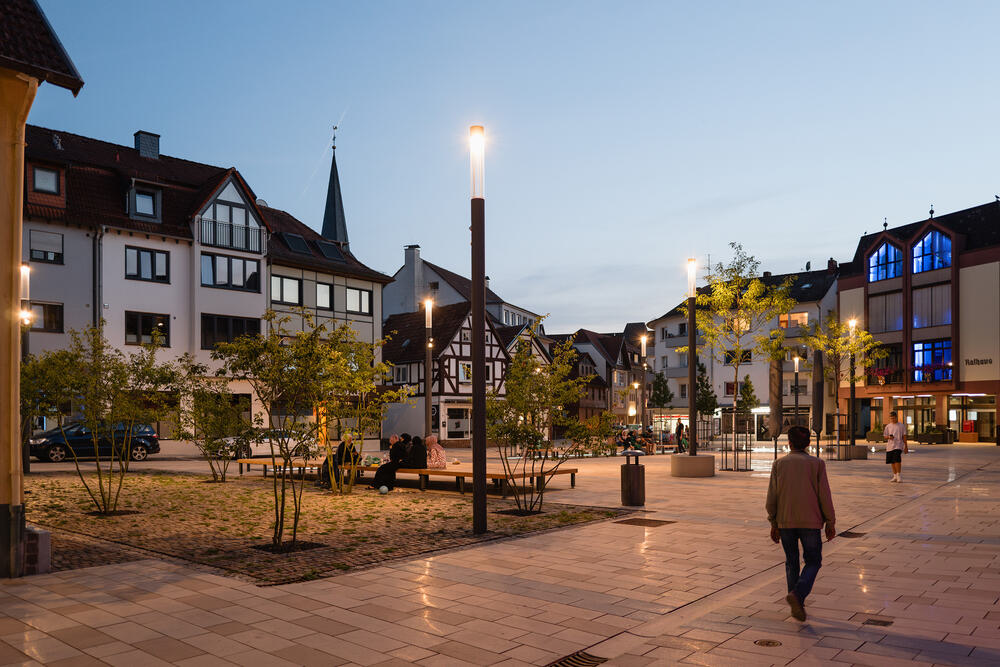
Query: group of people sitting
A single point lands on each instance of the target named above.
(630, 441)
(405, 451)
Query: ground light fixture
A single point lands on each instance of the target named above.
(428, 365)
(477, 150)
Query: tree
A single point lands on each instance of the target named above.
(735, 312)
(837, 342)
(522, 421)
(358, 399)
(211, 417)
(291, 373)
(775, 382)
(113, 392)
(705, 400)
(660, 396)
(747, 399)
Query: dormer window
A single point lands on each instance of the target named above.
(144, 204)
(46, 180)
(932, 252)
(885, 263)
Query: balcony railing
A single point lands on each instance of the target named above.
(227, 235)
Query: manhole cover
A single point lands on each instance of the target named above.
(578, 659)
(649, 523)
(770, 643)
(877, 621)
(848, 533)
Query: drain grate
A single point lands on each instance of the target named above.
(770, 643)
(578, 659)
(878, 621)
(649, 523)
(848, 533)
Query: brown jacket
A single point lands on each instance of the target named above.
(798, 495)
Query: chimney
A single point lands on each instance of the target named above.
(413, 267)
(767, 274)
(487, 282)
(148, 144)
(831, 265)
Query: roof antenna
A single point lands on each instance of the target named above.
(885, 222)
(997, 197)
(932, 211)
(334, 140)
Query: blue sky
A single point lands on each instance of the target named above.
(623, 136)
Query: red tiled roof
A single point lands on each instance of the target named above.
(407, 337)
(29, 45)
(279, 252)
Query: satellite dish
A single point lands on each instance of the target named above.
(261, 202)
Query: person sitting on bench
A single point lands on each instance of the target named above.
(417, 457)
(436, 457)
(399, 449)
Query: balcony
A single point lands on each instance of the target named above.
(227, 235)
(677, 341)
(676, 372)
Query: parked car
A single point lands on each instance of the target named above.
(56, 445)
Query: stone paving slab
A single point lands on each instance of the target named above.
(699, 591)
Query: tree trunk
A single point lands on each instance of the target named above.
(775, 375)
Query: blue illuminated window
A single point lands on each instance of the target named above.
(885, 263)
(932, 252)
(932, 361)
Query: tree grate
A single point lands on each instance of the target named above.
(578, 659)
(649, 523)
(769, 643)
(877, 621)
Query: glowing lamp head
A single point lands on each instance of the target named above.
(796, 360)
(477, 150)
(852, 323)
(428, 310)
(692, 266)
(25, 282)
(26, 317)
(642, 341)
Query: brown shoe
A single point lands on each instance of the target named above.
(798, 611)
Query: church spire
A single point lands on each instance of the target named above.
(334, 221)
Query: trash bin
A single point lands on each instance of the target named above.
(633, 481)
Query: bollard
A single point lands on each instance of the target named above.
(633, 481)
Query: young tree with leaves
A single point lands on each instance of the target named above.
(747, 399)
(837, 342)
(660, 396)
(705, 400)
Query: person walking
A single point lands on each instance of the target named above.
(895, 445)
(799, 504)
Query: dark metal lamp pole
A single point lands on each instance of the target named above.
(428, 366)
(642, 396)
(796, 389)
(851, 426)
(692, 267)
(476, 146)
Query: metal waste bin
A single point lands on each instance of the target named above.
(633, 481)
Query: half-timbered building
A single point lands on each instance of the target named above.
(451, 375)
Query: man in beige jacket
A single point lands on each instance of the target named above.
(799, 503)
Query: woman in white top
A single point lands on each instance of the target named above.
(895, 444)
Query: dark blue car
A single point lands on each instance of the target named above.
(54, 446)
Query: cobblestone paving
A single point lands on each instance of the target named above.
(702, 590)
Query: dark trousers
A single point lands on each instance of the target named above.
(801, 583)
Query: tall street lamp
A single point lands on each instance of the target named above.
(852, 324)
(26, 318)
(428, 365)
(477, 141)
(796, 389)
(692, 268)
(642, 398)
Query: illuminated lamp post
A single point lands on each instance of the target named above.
(796, 389)
(642, 404)
(428, 366)
(851, 426)
(477, 141)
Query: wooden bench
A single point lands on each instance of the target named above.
(498, 477)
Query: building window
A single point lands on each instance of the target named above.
(359, 301)
(139, 328)
(885, 263)
(227, 272)
(465, 336)
(746, 357)
(932, 252)
(664, 362)
(465, 372)
(225, 329)
(732, 388)
(932, 361)
(286, 290)
(45, 246)
(229, 225)
(793, 320)
(143, 264)
(324, 299)
(885, 312)
(401, 374)
(682, 329)
(144, 204)
(889, 369)
(46, 180)
(683, 391)
(932, 306)
(788, 388)
(47, 317)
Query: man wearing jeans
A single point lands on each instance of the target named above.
(799, 503)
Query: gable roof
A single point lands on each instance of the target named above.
(509, 334)
(807, 287)
(979, 226)
(461, 284)
(29, 45)
(585, 358)
(99, 174)
(279, 252)
(407, 339)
